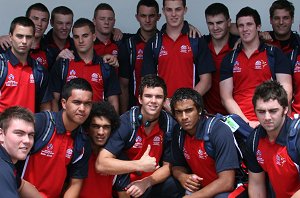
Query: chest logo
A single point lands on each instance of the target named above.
(140, 54)
(31, 78)
(259, 157)
(185, 49)
(115, 53)
(11, 81)
(186, 155)
(202, 154)
(236, 67)
(138, 142)
(280, 161)
(156, 141)
(163, 51)
(297, 67)
(96, 77)
(72, 75)
(48, 152)
(69, 153)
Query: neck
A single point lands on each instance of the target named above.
(283, 37)
(272, 135)
(250, 47)
(59, 42)
(21, 57)
(36, 42)
(86, 57)
(146, 35)
(69, 125)
(174, 32)
(220, 43)
(103, 37)
(95, 148)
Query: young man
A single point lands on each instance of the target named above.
(102, 122)
(24, 80)
(131, 53)
(58, 38)
(16, 140)
(39, 14)
(176, 62)
(61, 146)
(140, 144)
(200, 173)
(88, 65)
(220, 42)
(249, 65)
(268, 151)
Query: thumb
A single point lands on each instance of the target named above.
(147, 150)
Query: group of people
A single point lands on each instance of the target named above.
(61, 97)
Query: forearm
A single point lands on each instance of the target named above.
(55, 101)
(204, 84)
(114, 101)
(124, 99)
(74, 188)
(233, 108)
(160, 175)
(27, 190)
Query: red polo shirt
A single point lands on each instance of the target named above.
(105, 48)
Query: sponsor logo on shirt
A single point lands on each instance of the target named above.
(297, 67)
(280, 161)
(96, 77)
(48, 152)
(163, 52)
(260, 64)
(72, 75)
(202, 154)
(259, 157)
(156, 141)
(186, 155)
(69, 153)
(31, 79)
(236, 67)
(41, 60)
(140, 54)
(11, 81)
(185, 49)
(138, 142)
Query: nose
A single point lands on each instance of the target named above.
(81, 107)
(24, 39)
(153, 99)
(101, 130)
(184, 116)
(267, 116)
(281, 21)
(80, 40)
(215, 26)
(148, 19)
(26, 139)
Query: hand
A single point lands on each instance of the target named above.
(237, 43)
(190, 182)
(117, 34)
(254, 124)
(167, 106)
(265, 36)
(5, 42)
(194, 32)
(66, 54)
(137, 188)
(147, 163)
(111, 60)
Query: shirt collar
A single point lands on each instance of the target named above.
(185, 29)
(60, 127)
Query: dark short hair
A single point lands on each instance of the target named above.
(23, 21)
(217, 8)
(183, 3)
(185, 94)
(270, 90)
(152, 80)
(247, 11)
(15, 112)
(282, 4)
(76, 83)
(61, 10)
(103, 6)
(147, 3)
(37, 6)
(106, 110)
(81, 22)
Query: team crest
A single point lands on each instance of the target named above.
(69, 153)
(114, 52)
(48, 152)
(11, 81)
(31, 79)
(202, 154)
(96, 77)
(185, 49)
(186, 155)
(138, 142)
(259, 157)
(163, 52)
(140, 54)
(280, 161)
(156, 140)
(236, 67)
(72, 75)
(297, 67)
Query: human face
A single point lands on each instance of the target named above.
(282, 24)
(21, 40)
(99, 130)
(40, 20)
(104, 22)
(152, 101)
(218, 26)
(83, 39)
(17, 139)
(62, 25)
(147, 17)
(270, 114)
(247, 29)
(187, 115)
(174, 12)
(77, 107)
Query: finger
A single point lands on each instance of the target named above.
(157, 167)
(148, 150)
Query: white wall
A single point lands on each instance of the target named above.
(126, 9)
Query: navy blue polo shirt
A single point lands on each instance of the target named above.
(9, 183)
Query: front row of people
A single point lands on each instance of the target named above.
(151, 154)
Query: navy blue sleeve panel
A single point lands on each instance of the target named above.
(79, 169)
(45, 95)
(176, 149)
(226, 70)
(250, 155)
(124, 61)
(149, 64)
(118, 141)
(8, 183)
(48, 96)
(204, 61)
(56, 81)
(40, 122)
(112, 84)
(282, 63)
(167, 153)
(226, 154)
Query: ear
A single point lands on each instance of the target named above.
(63, 103)
(185, 10)
(1, 135)
(258, 28)
(94, 37)
(140, 99)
